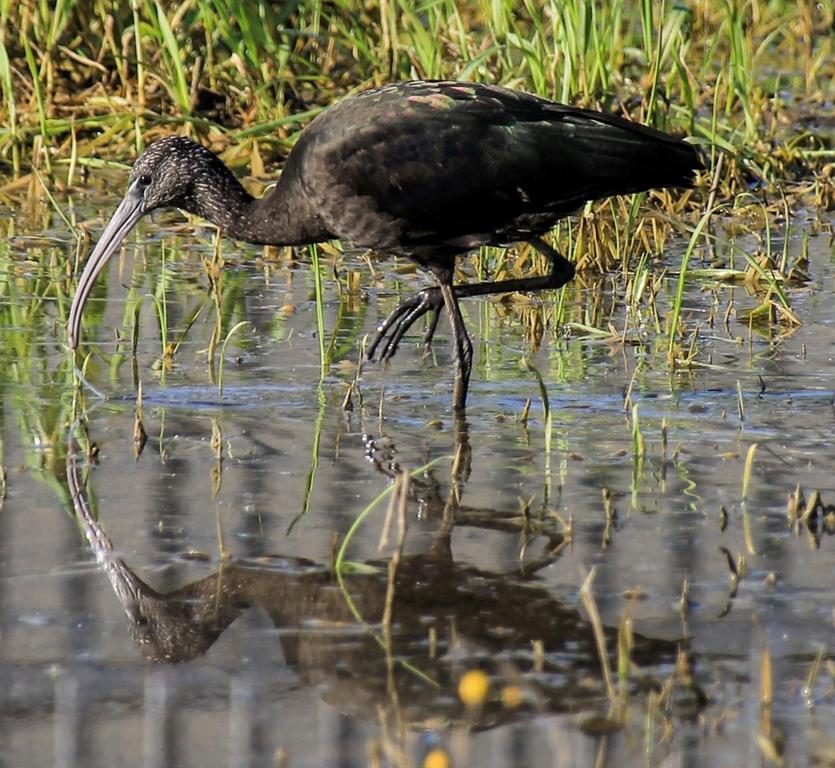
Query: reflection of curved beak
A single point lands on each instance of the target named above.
(124, 218)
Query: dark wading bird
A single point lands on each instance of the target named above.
(428, 170)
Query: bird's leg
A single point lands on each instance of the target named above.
(462, 464)
(463, 345)
(407, 312)
(561, 271)
(430, 331)
(402, 318)
(420, 304)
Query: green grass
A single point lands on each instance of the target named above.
(708, 70)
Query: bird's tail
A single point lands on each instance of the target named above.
(624, 156)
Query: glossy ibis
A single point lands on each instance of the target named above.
(428, 170)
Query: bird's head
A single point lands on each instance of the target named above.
(167, 174)
(170, 171)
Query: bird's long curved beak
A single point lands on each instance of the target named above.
(124, 218)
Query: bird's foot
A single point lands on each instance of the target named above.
(403, 317)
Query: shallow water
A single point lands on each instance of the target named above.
(180, 608)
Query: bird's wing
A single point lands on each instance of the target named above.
(452, 161)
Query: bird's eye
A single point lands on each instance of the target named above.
(144, 180)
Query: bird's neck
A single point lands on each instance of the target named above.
(282, 217)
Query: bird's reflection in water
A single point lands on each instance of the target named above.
(446, 618)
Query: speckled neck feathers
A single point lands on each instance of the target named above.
(186, 175)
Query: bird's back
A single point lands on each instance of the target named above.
(449, 166)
